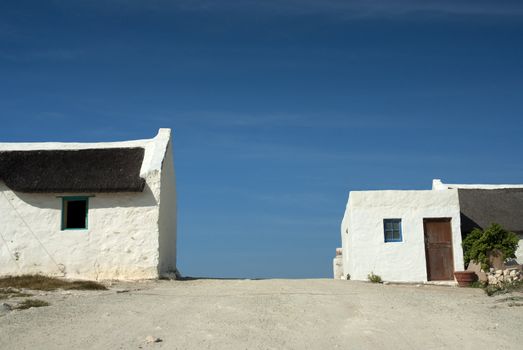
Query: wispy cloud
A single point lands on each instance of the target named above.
(343, 8)
(48, 116)
(59, 54)
(370, 8)
(213, 119)
(6, 30)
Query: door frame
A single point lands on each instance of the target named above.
(438, 219)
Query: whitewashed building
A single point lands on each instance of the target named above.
(415, 236)
(88, 210)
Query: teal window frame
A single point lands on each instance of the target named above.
(75, 198)
(390, 230)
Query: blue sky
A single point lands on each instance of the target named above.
(279, 108)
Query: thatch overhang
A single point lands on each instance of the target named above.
(482, 207)
(78, 171)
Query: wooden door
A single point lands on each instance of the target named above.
(438, 249)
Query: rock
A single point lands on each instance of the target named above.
(482, 276)
(386, 283)
(506, 276)
(492, 279)
(337, 266)
(5, 308)
(151, 339)
(123, 291)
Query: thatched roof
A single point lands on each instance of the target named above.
(480, 208)
(84, 170)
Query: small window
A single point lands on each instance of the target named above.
(392, 228)
(74, 213)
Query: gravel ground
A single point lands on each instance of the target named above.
(267, 314)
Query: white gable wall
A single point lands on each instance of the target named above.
(364, 247)
(167, 219)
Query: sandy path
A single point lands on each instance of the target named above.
(267, 314)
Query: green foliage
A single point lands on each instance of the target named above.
(29, 303)
(494, 289)
(12, 293)
(374, 278)
(39, 282)
(477, 284)
(479, 244)
(467, 244)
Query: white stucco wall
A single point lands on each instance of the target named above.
(364, 247)
(168, 219)
(519, 251)
(122, 240)
(437, 184)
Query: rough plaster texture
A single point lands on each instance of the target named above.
(337, 267)
(519, 252)
(364, 247)
(124, 231)
(167, 220)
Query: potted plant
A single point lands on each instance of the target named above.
(465, 278)
(480, 246)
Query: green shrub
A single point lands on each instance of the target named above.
(478, 284)
(374, 278)
(515, 286)
(29, 303)
(479, 244)
(39, 282)
(12, 293)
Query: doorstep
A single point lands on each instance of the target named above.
(450, 283)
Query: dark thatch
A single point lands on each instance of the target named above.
(480, 208)
(89, 170)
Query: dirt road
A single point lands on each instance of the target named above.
(267, 314)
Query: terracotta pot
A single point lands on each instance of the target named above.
(465, 278)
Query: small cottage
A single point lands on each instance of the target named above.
(88, 210)
(415, 236)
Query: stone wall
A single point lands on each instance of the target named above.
(501, 277)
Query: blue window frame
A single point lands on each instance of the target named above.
(392, 230)
(74, 213)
